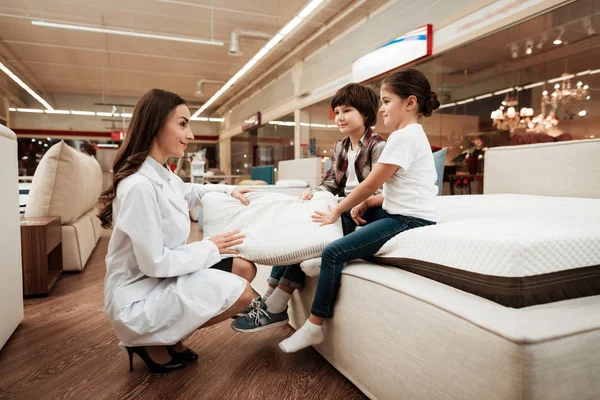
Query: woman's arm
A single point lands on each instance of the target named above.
(194, 192)
(139, 218)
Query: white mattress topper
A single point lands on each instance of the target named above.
(506, 235)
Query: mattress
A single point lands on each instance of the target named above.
(515, 250)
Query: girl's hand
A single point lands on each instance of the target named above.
(357, 212)
(326, 218)
(225, 241)
(238, 193)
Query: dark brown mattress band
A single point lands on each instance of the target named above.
(515, 292)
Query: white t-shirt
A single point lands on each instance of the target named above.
(411, 190)
(352, 179)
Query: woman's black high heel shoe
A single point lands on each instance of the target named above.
(187, 356)
(172, 365)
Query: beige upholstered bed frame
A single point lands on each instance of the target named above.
(566, 169)
(397, 335)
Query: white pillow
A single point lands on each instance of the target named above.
(278, 227)
(311, 267)
(292, 183)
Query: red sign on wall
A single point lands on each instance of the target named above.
(117, 135)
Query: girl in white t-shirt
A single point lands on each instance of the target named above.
(407, 172)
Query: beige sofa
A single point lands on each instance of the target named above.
(67, 184)
(11, 281)
(106, 159)
(397, 335)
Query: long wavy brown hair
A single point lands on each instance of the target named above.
(149, 116)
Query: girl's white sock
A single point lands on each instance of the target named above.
(309, 335)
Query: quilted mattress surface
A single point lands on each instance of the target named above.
(516, 250)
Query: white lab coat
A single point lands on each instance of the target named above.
(158, 289)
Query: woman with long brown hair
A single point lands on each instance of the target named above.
(158, 289)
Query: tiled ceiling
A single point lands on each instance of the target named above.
(55, 60)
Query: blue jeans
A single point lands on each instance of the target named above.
(292, 275)
(287, 275)
(381, 227)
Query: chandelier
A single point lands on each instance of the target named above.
(564, 93)
(542, 123)
(506, 117)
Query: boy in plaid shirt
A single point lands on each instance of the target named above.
(355, 108)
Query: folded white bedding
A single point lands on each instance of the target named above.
(278, 227)
(506, 235)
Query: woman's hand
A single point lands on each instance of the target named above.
(357, 212)
(238, 193)
(326, 218)
(225, 241)
(306, 195)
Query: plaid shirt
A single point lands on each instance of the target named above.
(370, 147)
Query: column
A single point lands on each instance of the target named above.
(225, 156)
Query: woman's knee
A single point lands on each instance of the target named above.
(244, 268)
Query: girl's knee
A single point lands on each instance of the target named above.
(330, 251)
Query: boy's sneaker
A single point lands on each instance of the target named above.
(260, 318)
(249, 307)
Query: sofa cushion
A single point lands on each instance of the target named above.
(66, 184)
(278, 227)
(93, 215)
(78, 242)
(107, 180)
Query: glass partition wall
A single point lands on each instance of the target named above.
(534, 82)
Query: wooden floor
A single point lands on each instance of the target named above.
(66, 348)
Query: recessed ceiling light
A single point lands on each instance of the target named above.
(24, 86)
(127, 33)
